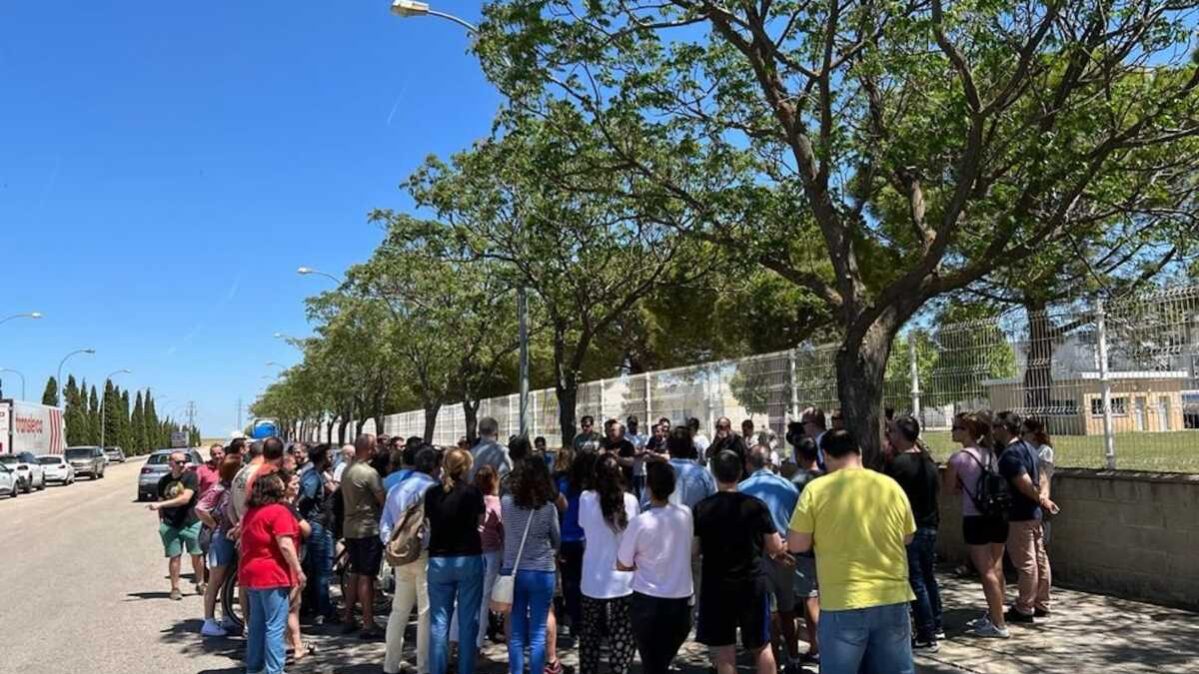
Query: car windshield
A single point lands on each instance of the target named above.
(49, 460)
(79, 453)
(156, 459)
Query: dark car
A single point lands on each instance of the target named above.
(89, 461)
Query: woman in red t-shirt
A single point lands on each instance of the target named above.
(270, 567)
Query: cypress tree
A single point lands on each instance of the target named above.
(74, 415)
(137, 426)
(50, 395)
(126, 436)
(153, 426)
(93, 417)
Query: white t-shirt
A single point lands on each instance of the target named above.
(701, 443)
(658, 544)
(601, 580)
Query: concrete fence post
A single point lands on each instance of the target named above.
(914, 367)
(794, 385)
(1105, 384)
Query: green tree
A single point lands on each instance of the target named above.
(113, 415)
(877, 155)
(138, 441)
(93, 417)
(75, 414)
(153, 424)
(50, 395)
(125, 434)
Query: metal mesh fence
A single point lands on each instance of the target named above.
(1140, 354)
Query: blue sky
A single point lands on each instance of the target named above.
(166, 166)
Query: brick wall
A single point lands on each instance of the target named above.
(1132, 535)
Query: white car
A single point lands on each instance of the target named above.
(57, 469)
(27, 466)
(9, 482)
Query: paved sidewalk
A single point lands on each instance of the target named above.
(1088, 634)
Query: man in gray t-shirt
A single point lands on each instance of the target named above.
(489, 452)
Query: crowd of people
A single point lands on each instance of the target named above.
(619, 544)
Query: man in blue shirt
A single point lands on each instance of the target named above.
(411, 581)
(316, 484)
(407, 458)
(1019, 464)
(780, 497)
(693, 482)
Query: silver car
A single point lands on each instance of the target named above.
(87, 461)
(28, 469)
(57, 469)
(156, 466)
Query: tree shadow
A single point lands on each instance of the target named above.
(136, 596)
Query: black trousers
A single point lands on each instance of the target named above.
(660, 626)
(572, 580)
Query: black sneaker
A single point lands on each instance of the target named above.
(928, 646)
(1015, 616)
(1040, 613)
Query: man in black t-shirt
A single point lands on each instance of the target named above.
(733, 530)
(178, 525)
(624, 450)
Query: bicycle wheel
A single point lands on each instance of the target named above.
(231, 597)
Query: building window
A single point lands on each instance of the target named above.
(1119, 406)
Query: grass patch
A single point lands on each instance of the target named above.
(1171, 452)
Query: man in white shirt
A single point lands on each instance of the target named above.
(347, 457)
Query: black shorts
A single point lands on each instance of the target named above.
(366, 555)
(728, 606)
(979, 530)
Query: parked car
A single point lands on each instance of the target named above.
(57, 469)
(87, 461)
(156, 466)
(114, 454)
(29, 470)
(9, 482)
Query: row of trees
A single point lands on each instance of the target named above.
(110, 420)
(680, 180)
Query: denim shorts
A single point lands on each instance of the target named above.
(221, 551)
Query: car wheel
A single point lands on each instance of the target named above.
(29, 486)
(43, 486)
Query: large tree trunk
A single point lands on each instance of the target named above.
(431, 410)
(329, 430)
(341, 430)
(861, 364)
(470, 414)
(358, 426)
(567, 388)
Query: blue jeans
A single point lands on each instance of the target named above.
(454, 580)
(927, 606)
(532, 593)
(875, 640)
(318, 565)
(265, 651)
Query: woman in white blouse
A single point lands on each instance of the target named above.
(604, 513)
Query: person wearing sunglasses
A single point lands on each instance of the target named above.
(178, 525)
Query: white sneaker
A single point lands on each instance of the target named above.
(979, 621)
(990, 631)
(212, 629)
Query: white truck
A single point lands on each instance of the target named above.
(30, 427)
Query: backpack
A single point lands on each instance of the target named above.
(406, 542)
(992, 494)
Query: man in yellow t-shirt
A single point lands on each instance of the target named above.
(858, 522)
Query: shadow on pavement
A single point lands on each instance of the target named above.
(186, 633)
(134, 596)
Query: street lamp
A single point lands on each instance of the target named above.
(61, 386)
(9, 369)
(29, 314)
(411, 8)
(103, 416)
(306, 271)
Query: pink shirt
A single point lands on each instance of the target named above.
(492, 531)
(966, 462)
(208, 476)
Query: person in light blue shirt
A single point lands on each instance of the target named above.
(411, 579)
(693, 482)
(780, 497)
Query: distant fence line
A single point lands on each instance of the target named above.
(1139, 353)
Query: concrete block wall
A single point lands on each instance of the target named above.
(1132, 535)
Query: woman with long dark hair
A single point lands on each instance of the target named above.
(269, 568)
(531, 536)
(454, 510)
(604, 513)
